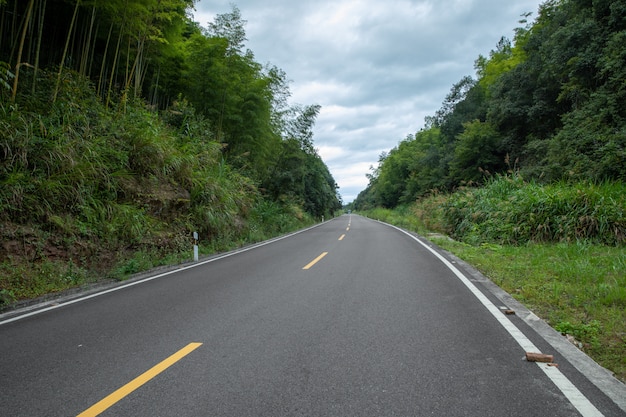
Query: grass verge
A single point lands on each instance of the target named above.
(578, 288)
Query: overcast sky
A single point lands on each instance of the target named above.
(376, 67)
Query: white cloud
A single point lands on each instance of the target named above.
(331, 153)
(353, 177)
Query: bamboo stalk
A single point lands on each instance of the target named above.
(67, 43)
(42, 14)
(21, 48)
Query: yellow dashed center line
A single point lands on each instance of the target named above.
(316, 260)
(122, 392)
(341, 237)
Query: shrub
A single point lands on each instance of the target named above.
(510, 210)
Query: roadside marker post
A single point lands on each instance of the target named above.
(195, 246)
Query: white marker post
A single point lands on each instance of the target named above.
(195, 246)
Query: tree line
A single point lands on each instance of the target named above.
(152, 51)
(550, 105)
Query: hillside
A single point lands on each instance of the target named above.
(548, 105)
(128, 129)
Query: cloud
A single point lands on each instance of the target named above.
(376, 68)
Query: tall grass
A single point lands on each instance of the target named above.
(125, 186)
(272, 218)
(512, 211)
(401, 216)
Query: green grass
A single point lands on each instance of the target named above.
(401, 217)
(147, 259)
(512, 211)
(33, 280)
(579, 289)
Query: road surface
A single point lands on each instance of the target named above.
(349, 318)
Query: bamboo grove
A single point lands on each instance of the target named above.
(125, 126)
(152, 50)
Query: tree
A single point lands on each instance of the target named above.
(300, 124)
(501, 60)
(236, 94)
(557, 108)
(150, 50)
(41, 17)
(320, 193)
(299, 173)
(477, 154)
(19, 54)
(229, 26)
(67, 43)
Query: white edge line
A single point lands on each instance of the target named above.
(573, 394)
(141, 281)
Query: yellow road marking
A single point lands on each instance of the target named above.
(316, 260)
(122, 392)
(348, 228)
(341, 237)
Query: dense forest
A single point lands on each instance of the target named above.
(549, 106)
(125, 126)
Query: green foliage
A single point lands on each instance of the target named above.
(477, 153)
(33, 280)
(273, 218)
(464, 103)
(577, 288)
(231, 27)
(299, 173)
(242, 104)
(510, 210)
(548, 106)
(146, 259)
(236, 98)
(566, 93)
(585, 332)
(122, 189)
(501, 60)
(320, 189)
(401, 216)
(7, 297)
(394, 168)
(122, 184)
(419, 165)
(5, 75)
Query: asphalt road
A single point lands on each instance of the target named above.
(377, 326)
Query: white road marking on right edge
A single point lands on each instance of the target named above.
(577, 398)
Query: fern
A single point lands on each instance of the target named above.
(5, 75)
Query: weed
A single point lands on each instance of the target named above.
(36, 279)
(6, 297)
(585, 332)
(512, 211)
